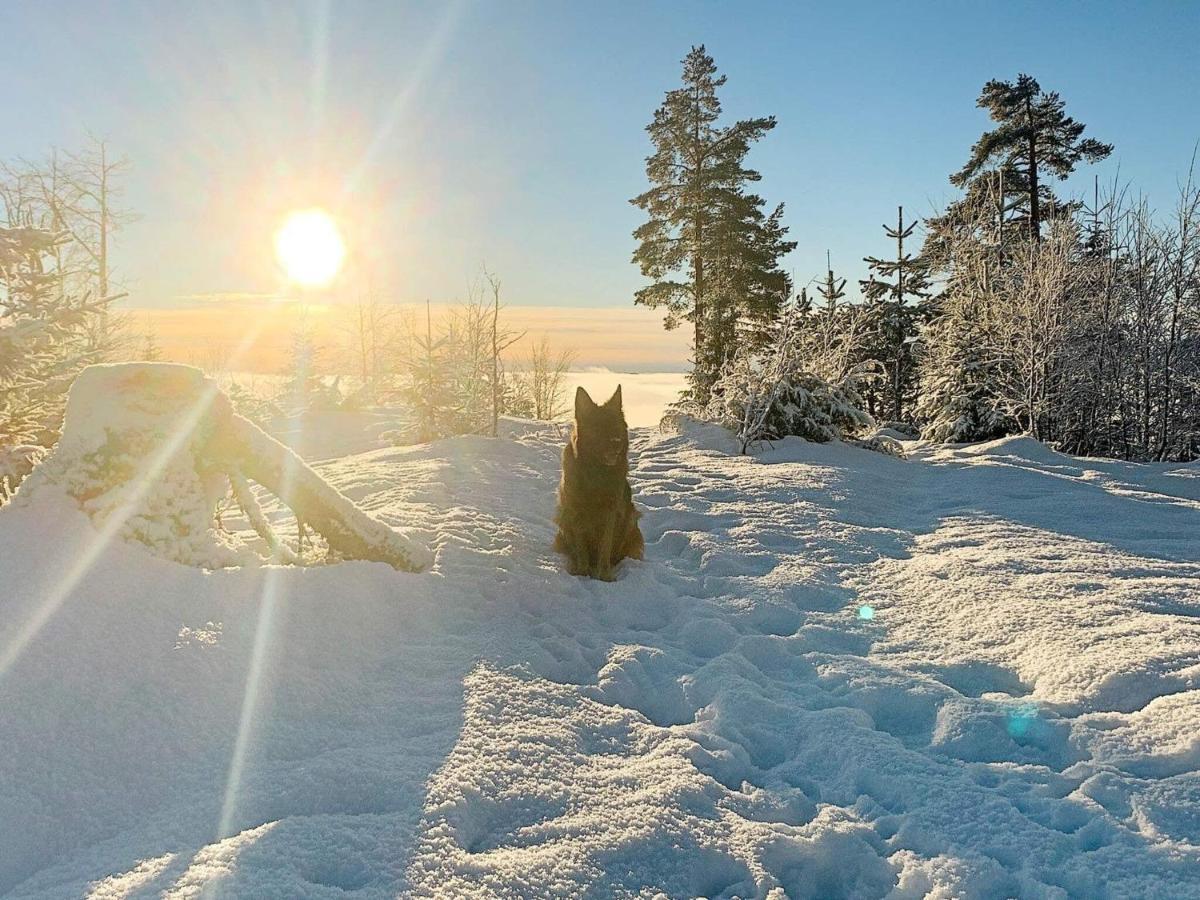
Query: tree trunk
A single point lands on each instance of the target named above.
(177, 435)
(698, 298)
(899, 336)
(240, 445)
(495, 359)
(102, 263)
(1035, 222)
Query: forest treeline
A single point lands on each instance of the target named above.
(1014, 310)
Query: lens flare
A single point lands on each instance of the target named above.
(310, 249)
(1023, 721)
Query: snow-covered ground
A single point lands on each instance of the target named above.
(971, 673)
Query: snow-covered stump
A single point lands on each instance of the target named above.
(149, 449)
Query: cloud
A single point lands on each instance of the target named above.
(234, 298)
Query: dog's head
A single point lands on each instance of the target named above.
(601, 435)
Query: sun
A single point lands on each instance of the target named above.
(310, 248)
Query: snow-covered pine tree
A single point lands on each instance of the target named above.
(766, 393)
(41, 347)
(976, 358)
(708, 247)
(426, 388)
(959, 398)
(148, 350)
(79, 195)
(304, 390)
(896, 318)
(960, 367)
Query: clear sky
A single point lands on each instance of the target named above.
(446, 135)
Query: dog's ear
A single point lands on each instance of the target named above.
(583, 402)
(615, 399)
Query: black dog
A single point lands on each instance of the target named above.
(597, 522)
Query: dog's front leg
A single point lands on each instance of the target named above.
(604, 551)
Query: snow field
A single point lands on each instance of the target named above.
(1019, 718)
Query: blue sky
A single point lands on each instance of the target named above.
(446, 135)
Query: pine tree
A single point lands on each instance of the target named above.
(831, 289)
(426, 388)
(712, 253)
(1034, 138)
(959, 397)
(896, 318)
(149, 350)
(304, 389)
(770, 392)
(42, 337)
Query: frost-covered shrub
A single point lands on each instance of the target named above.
(768, 394)
(757, 406)
(304, 390)
(249, 403)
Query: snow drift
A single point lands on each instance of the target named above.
(971, 673)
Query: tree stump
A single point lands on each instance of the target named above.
(149, 449)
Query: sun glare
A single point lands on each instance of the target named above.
(310, 248)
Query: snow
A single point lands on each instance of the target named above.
(1019, 717)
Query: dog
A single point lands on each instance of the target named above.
(597, 521)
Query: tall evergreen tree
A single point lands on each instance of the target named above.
(709, 248)
(1034, 138)
(887, 291)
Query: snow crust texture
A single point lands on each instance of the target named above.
(973, 672)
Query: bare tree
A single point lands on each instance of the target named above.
(1180, 253)
(78, 196)
(540, 386)
(500, 341)
(1037, 320)
(372, 329)
(83, 192)
(835, 337)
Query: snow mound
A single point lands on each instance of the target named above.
(1021, 447)
(835, 675)
(133, 452)
(149, 449)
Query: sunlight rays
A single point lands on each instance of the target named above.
(135, 493)
(433, 51)
(250, 701)
(252, 694)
